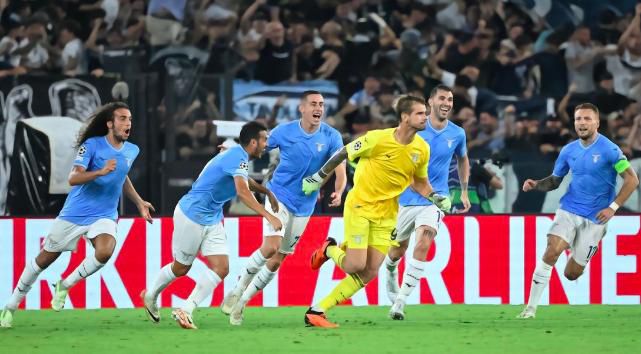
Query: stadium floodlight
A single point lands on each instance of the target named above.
(229, 130)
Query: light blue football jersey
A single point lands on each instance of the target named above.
(593, 176)
(204, 202)
(444, 144)
(301, 155)
(98, 199)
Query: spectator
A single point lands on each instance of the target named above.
(360, 101)
(164, 21)
(633, 143)
(626, 66)
(275, 63)
(581, 56)
(33, 52)
(551, 66)
(73, 53)
(198, 141)
(490, 138)
(9, 43)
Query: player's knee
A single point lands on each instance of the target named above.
(180, 269)
(270, 249)
(353, 267)
(222, 270)
(572, 274)
(103, 256)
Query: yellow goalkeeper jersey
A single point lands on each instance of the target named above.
(385, 169)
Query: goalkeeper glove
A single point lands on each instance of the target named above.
(442, 202)
(312, 183)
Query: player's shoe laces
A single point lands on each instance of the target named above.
(236, 315)
(317, 319)
(6, 318)
(229, 302)
(528, 312)
(151, 308)
(396, 312)
(319, 256)
(392, 285)
(59, 297)
(183, 318)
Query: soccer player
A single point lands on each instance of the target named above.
(416, 213)
(198, 222)
(304, 146)
(589, 203)
(390, 160)
(98, 177)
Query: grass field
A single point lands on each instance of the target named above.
(427, 329)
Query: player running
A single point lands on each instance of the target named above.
(390, 161)
(589, 203)
(98, 177)
(198, 222)
(416, 213)
(304, 145)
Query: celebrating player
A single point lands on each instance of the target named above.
(304, 145)
(418, 213)
(98, 176)
(589, 203)
(390, 160)
(198, 222)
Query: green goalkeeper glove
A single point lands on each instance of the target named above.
(312, 183)
(442, 202)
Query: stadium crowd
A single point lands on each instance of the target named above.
(517, 70)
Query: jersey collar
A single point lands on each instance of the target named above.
(429, 123)
(589, 146)
(112, 147)
(300, 126)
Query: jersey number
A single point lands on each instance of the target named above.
(592, 251)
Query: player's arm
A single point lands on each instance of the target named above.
(630, 183)
(463, 164)
(313, 182)
(339, 185)
(546, 184)
(259, 188)
(246, 196)
(80, 175)
(143, 206)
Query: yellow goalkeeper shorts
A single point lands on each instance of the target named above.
(361, 232)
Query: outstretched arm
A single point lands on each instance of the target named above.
(546, 184)
(313, 182)
(143, 206)
(246, 196)
(630, 183)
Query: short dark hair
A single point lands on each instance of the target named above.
(405, 103)
(250, 131)
(309, 93)
(71, 26)
(440, 87)
(589, 106)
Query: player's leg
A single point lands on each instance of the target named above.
(560, 237)
(585, 246)
(272, 241)
(400, 242)
(29, 275)
(185, 243)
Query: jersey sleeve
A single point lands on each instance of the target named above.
(275, 138)
(421, 170)
(237, 166)
(363, 146)
(617, 159)
(85, 153)
(461, 148)
(561, 166)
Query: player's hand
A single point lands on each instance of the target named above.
(312, 183)
(442, 202)
(336, 200)
(529, 185)
(144, 208)
(109, 167)
(466, 204)
(275, 222)
(605, 215)
(273, 201)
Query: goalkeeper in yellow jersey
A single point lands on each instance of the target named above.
(390, 160)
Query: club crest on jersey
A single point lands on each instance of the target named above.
(449, 142)
(415, 157)
(319, 147)
(358, 238)
(357, 145)
(595, 157)
(244, 165)
(129, 161)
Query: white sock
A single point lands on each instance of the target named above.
(254, 263)
(205, 285)
(413, 273)
(540, 280)
(165, 276)
(390, 264)
(89, 266)
(259, 283)
(28, 277)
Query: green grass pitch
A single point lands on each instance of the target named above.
(427, 329)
